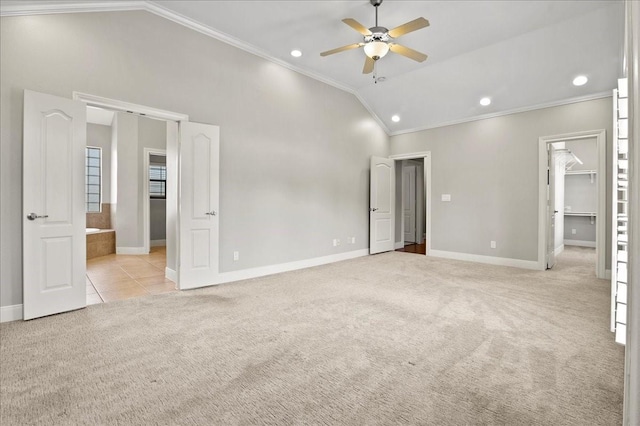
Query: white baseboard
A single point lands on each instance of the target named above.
(399, 245)
(580, 243)
(559, 250)
(10, 313)
(501, 261)
(131, 250)
(245, 274)
(157, 243)
(170, 274)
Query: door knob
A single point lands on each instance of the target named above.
(33, 216)
(212, 213)
(373, 209)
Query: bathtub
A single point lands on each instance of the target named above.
(100, 242)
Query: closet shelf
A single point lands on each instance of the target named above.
(586, 214)
(581, 172)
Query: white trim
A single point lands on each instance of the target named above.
(399, 245)
(580, 243)
(146, 210)
(10, 313)
(543, 142)
(559, 249)
(245, 274)
(47, 9)
(171, 274)
(158, 243)
(490, 260)
(131, 250)
(117, 105)
(569, 101)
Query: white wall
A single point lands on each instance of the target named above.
(490, 168)
(269, 117)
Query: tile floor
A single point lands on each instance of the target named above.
(119, 277)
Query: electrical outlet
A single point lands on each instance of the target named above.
(352, 240)
(338, 242)
(446, 197)
(236, 256)
(335, 242)
(493, 244)
(573, 232)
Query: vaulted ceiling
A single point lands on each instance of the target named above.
(521, 54)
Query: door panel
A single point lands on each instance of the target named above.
(551, 207)
(199, 191)
(54, 243)
(409, 203)
(382, 209)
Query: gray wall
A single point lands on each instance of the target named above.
(490, 168)
(99, 135)
(295, 152)
(128, 210)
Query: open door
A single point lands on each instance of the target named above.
(382, 207)
(199, 192)
(551, 207)
(54, 219)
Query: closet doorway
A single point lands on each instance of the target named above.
(572, 199)
(412, 202)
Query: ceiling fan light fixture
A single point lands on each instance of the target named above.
(376, 49)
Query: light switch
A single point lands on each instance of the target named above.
(446, 197)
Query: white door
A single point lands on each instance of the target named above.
(382, 208)
(409, 203)
(199, 190)
(551, 207)
(53, 205)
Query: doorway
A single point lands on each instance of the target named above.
(126, 206)
(572, 198)
(413, 202)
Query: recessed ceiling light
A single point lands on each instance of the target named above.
(580, 80)
(296, 53)
(485, 101)
(395, 118)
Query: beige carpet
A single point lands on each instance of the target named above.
(394, 338)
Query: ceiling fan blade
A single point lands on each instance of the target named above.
(341, 49)
(403, 29)
(357, 26)
(409, 53)
(368, 65)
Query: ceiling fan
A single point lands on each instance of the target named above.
(378, 41)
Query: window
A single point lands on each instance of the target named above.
(157, 181)
(93, 179)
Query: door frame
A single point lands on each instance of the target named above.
(173, 155)
(601, 210)
(146, 209)
(426, 157)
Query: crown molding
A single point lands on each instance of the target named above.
(569, 101)
(26, 8)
